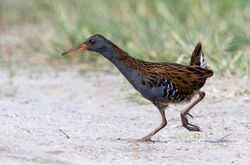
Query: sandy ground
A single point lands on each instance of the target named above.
(62, 117)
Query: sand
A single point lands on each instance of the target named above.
(63, 117)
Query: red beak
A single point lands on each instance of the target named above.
(81, 47)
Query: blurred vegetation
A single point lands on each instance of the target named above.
(162, 30)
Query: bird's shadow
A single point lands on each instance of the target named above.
(141, 141)
(130, 140)
(217, 141)
(220, 141)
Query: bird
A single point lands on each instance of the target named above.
(162, 83)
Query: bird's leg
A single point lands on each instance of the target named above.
(185, 112)
(163, 124)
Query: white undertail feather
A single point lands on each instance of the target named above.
(202, 61)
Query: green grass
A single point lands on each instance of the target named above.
(162, 30)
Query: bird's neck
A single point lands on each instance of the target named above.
(124, 63)
(113, 52)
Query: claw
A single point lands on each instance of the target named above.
(190, 115)
(187, 125)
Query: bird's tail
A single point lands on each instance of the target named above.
(197, 57)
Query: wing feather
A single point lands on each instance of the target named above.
(185, 78)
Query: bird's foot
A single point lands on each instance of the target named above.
(145, 139)
(187, 125)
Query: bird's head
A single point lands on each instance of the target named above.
(94, 43)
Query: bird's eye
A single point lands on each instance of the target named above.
(91, 41)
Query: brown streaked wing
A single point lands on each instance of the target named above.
(189, 79)
(185, 78)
